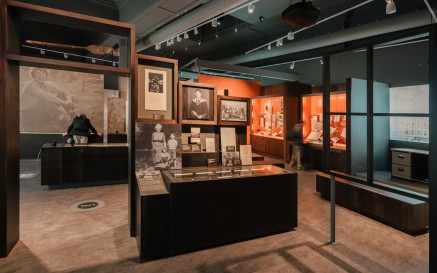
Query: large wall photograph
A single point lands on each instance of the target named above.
(50, 99)
(158, 146)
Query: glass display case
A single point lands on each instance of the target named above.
(312, 115)
(268, 117)
(219, 173)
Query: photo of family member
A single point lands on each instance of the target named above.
(199, 105)
(156, 82)
(158, 146)
(233, 110)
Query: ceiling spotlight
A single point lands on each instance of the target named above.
(269, 47)
(186, 36)
(158, 46)
(168, 43)
(196, 31)
(292, 65)
(199, 42)
(321, 61)
(290, 36)
(250, 8)
(214, 23)
(172, 41)
(262, 19)
(217, 35)
(235, 29)
(278, 43)
(391, 7)
(179, 39)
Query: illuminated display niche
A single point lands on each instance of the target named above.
(312, 116)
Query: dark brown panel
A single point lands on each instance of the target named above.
(403, 213)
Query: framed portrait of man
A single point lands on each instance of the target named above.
(197, 103)
(233, 111)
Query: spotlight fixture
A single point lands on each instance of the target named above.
(281, 42)
(214, 23)
(179, 39)
(250, 8)
(172, 41)
(217, 35)
(321, 61)
(168, 43)
(199, 42)
(292, 65)
(262, 19)
(290, 36)
(278, 43)
(158, 46)
(390, 8)
(269, 47)
(186, 36)
(196, 31)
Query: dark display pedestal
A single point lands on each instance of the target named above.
(404, 213)
(194, 211)
(66, 165)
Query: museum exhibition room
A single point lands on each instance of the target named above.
(192, 136)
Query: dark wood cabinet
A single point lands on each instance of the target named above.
(80, 165)
(199, 210)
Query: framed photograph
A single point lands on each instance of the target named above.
(157, 146)
(197, 103)
(233, 111)
(156, 89)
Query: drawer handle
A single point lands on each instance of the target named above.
(401, 156)
(401, 169)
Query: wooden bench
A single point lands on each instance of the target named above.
(404, 213)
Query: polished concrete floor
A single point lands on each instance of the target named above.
(56, 239)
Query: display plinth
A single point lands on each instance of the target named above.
(204, 207)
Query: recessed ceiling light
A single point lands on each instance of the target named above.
(262, 19)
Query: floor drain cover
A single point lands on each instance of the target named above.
(87, 205)
(28, 175)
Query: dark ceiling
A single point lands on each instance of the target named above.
(223, 42)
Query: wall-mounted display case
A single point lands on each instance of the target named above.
(312, 115)
(268, 117)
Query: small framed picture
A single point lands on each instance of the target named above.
(197, 103)
(156, 90)
(233, 111)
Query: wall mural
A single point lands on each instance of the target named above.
(116, 115)
(50, 99)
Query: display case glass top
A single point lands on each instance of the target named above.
(268, 117)
(312, 115)
(220, 173)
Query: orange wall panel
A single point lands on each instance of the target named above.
(236, 87)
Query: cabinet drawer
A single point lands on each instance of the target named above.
(401, 158)
(401, 171)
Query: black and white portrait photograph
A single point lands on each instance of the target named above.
(233, 110)
(155, 90)
(156, 82)
(197, 102)
(158, 146)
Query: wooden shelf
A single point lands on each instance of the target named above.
(68, 65)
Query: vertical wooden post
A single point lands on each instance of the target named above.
(9, 135)
(370, 114)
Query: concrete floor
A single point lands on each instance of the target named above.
(56, 239)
